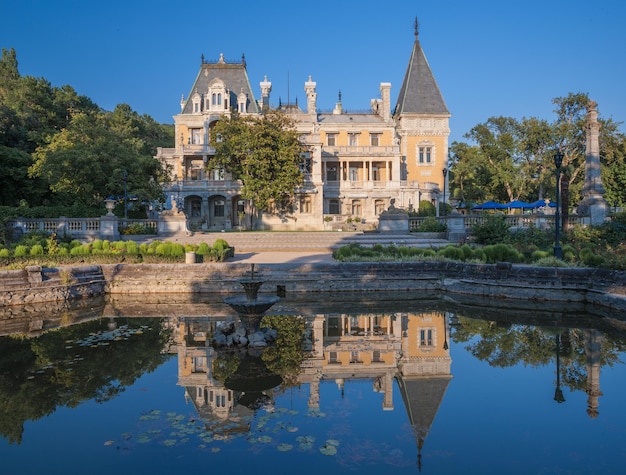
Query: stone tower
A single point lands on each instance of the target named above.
(593, 202)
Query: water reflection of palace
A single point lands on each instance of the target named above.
(409, 348)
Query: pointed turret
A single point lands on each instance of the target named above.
(420, 93)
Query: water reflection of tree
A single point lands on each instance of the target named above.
(501, 344)
(284, 357)
(60, 368)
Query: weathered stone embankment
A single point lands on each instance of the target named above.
(502, 281)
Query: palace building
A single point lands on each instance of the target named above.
(355, 163)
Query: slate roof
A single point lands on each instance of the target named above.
(234, 76)
(420, 93)
(422, 397)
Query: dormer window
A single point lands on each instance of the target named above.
(196, 100)
(218, 95)
(242, 102)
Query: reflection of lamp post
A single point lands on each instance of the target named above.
(558, 393)
(558, 161)
(125, 175)
(445, 174)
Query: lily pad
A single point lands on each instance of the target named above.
(285, 447)
(328, 450)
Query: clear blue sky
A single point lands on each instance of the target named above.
(490, 57)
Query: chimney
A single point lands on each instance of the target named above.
(385, 93)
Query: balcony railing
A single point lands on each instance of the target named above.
(365, 151)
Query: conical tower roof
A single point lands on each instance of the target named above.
(420, 93)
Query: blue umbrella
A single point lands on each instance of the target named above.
(490, 205)
(519, 204)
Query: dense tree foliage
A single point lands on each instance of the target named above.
(264, 153)
(71, 365)
(510, 159)
(59, 148)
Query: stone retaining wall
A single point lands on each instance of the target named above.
(501, 281)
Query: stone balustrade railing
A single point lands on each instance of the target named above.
(108, 227)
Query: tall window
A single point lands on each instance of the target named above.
(379, 206)
(426, 337)
(331, 140)
(375, 173)
(305, 165)
(331, 172)
(217, 174)
(196, 136)
(353, 140)
(354, 174)
(333, 207)
(356, 208)
(425, 155)
(374, 140)
(305, 204)
(218, 208)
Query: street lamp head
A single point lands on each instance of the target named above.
(558, 159)
(445, 172)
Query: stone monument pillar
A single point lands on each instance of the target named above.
(593, 202)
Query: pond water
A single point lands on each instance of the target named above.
(402, 383)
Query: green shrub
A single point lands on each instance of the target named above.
(426, 208)
(5, 252)
(492, 230)
(80, 250)
(203, 249)
(536, 255)
(132, 247)
(550, 261)
(52, 245)
(502, 253)
(431, 225)
(220, 244)
(452, 252)
(589, 258)
(36, 250)
(20, 250)
(530, 237)
(97, 245)
(345, 252)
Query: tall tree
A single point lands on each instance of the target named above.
(264, 153)
(88, 160)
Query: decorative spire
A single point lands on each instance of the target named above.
(243, 60)
(415, 25)
(339, 95)
(202, 59)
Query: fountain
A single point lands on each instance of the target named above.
(251, 307)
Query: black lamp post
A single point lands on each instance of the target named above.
(558, 161)
(125, 175)
(445, 174)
